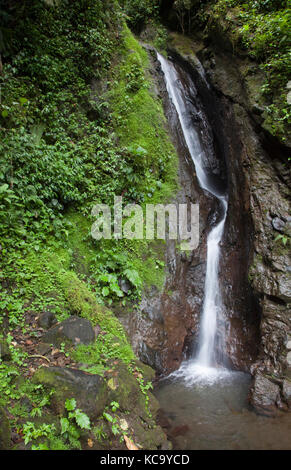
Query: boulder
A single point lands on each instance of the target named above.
(74, 330)
(89, 390)
(47, 320)
(286, 392)
(140, 412)
(147, 371)
(5, 431)
(265, 395)
(278, 224)
(124, 388)
(5, 354)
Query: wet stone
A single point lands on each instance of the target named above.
(278, 224)
(286, 391)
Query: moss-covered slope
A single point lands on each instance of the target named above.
(80, 123)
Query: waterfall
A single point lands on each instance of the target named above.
(206, 358)
(212, 304)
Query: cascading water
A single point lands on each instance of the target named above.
(206, 359)
(212, 298)
(203, 401)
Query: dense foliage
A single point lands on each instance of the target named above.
(262, 28)
(138, 12)
(52, 129)
(78, 125)
(58, 137)
(259, 28)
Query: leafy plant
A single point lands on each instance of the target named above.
(99, 433)
(139, 11)
(75, 421)
(32, 432)
(113, 420)
(283, 238)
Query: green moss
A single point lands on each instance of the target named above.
(183, 43)
(114, 343)
(79, 242)
(261, 29)
(79, 152)
(150, 263)
(139, 120)
(5, 431)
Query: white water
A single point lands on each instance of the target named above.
(204, 365)
(212, 299)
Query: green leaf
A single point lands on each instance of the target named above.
(105, 277)
(3, 187)
(115, 429)
(141, 151)
(105, 291)
(71, 404)
(40, 447)
(114, 406)
(82, 420)
(22, 101)
(133, 276)
(116, 289)
(65, 424)
(108, 417)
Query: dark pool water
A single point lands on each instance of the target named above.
(212, 413)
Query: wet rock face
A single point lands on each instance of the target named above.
(265, 395)
(169, 323)
(166, 330)
(255, 269)
(162, 331)
(241, 305)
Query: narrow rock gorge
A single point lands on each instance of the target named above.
(113, 337)
(255, 271)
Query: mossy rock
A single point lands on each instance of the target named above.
(5, 431)
(150, 438)
(73, 330)
(5, 354)
(47, 320)
(147, 371)
(125, 389)
(89, 390)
